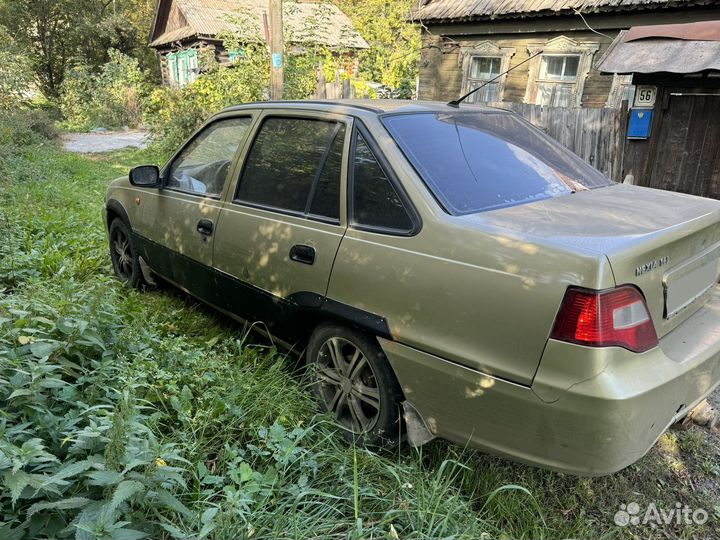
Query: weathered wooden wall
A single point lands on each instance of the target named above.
(440, 64)
(683, 151)
(596, 135)
(441, 67)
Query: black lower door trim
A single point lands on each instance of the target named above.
(283, 317)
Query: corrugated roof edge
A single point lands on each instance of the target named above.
(669, 4)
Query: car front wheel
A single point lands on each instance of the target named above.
(124, 255)
(353, 381)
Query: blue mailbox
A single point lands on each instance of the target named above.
(640, 123)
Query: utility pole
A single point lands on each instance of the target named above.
(277, 49)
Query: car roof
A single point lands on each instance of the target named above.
(363, 106)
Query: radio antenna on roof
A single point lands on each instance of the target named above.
(459, 100)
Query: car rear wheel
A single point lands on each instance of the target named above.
(124, 255)
(353, 381)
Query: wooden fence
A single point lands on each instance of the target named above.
(596, 135)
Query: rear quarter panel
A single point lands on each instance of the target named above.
(483, 299)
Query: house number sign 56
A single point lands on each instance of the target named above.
(645, 96)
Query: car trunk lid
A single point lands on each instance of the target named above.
(667, 244)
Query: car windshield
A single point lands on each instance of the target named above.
(478, 161)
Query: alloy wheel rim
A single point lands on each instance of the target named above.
(123, 254)
(347, 385)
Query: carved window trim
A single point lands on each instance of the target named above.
(617, 91)
(561, 45)
(485, 49)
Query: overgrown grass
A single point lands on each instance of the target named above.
(127, 414)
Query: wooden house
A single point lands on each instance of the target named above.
(185, 32)
(555, 45)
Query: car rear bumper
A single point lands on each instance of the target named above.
(588, 411)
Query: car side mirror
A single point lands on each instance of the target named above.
(146, 176)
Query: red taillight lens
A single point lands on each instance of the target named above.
(613, 318)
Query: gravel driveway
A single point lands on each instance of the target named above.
(106, 141)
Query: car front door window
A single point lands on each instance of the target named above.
(203, 165)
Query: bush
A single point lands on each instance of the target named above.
(112, 98)
(22, 129)
(173, 114)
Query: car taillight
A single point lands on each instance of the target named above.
(613, 318)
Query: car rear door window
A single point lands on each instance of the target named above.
(203, 165)
(376, 204)
(295, 165)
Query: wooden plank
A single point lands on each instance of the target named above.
(708, 172)
(277, 49)
(592, 134)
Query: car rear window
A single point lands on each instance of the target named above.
(478, 161)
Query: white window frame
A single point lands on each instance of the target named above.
(485, 49)
(557, 82)
(559, 46)
(475, 81)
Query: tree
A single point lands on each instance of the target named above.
(49, 32)
(394, 51)
(16, 75)
(121, 25)
(56, 34)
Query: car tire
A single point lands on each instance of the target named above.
(123, 253)
(352, 380)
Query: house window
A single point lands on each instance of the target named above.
(235, 55)
(558, 70)
(482, 70)
(172, 69)
(183, 67)
(557, 80)
(482, 62)
(193, 67)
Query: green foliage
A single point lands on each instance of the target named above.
(394, 52)
(112, 97)
(58, 34)
(172, 114)
(16, 75)
(21, 129)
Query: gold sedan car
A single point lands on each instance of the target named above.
(449, 272)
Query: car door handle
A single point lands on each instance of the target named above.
(302, 254)
(205, 226)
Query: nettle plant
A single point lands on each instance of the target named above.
(77, 455)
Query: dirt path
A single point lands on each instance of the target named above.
(106, 141)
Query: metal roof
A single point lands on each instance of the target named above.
(673, 48)
(305, 22)
(466, 10)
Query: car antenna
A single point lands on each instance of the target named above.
(459, 100)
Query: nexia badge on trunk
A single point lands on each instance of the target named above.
(652, 265)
